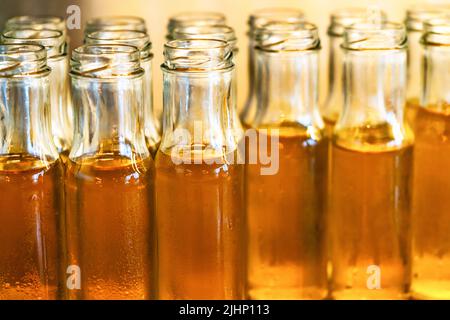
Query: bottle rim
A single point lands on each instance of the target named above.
(370, 37)
(36, 22)
(106, 61)
(436, 32)
(195, 18)
(116, 22)
(20, 60)
(287, 37)
(342, 18)
(197, 55)
(277, 14)
(219, 32)
(52, 40)
(138, 39)
(417, 15)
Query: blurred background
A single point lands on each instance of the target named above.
(157, 12)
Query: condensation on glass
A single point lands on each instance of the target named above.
(285, 208)
(371, 164)
(57, 59)
(141, 40)
(431, 255)
(109, 178)
(31, 180)
(199, 178)
(256, 20)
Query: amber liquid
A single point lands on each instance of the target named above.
(201, 223)
(431, 264)
(412, 106)
(286, 222)
(30, 212)
(370, 222)
(109, 217)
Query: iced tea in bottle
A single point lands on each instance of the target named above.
(31, 182)
(140, 40)
(258, 19)
(371, 169)
(416, 16)
(339, 20)
(109, 178)
(199, 176)
(57, 59)
(285, 195)
(431, 218)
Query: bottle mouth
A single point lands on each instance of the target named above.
(106, 61)
(369, 36)
(18, 60)
(287, 37)
(52, 40)
(436, 32)
(197, 55)
(138, 39)
(342, 18)
(36, 22)
(262, 17)
(199, 18)
(109, 23)
(216, 32)
(416, 16)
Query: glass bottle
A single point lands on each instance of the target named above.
(415, 18)
(431, 264)
(30, 178)
(109, 178)
(371, 166)
(339, 20)
(140, 40)
(36, 22)
(111, 23)
(258, 19)
(199, 176)
(57, 60)
(286, 230)
(194, 18)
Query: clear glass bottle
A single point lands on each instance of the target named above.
(258, 19)
(111, 23)
(339, 20)
(57, 60)
(431, 264)
(140, 40)
(199, 178)
(36, 22)
(286, 226)
(371, 166)
(415, 18)
(109, 177)
(194, 18)
(30, 178)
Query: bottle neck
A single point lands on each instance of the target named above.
(287, 89)
(199, 113)
(374, 89)
(335, 98)
(415, 76)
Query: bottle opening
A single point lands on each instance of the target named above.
(52, 40)
(116, 23)
(23, 60)
(417, 15)
(216, 32)
(340, 19)
(284, 36)
(437, 32)
(138, 39)
(264, 16)
(106, 61)
(195, 19)
(368, 36)
(36, 22)
(197, 55)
